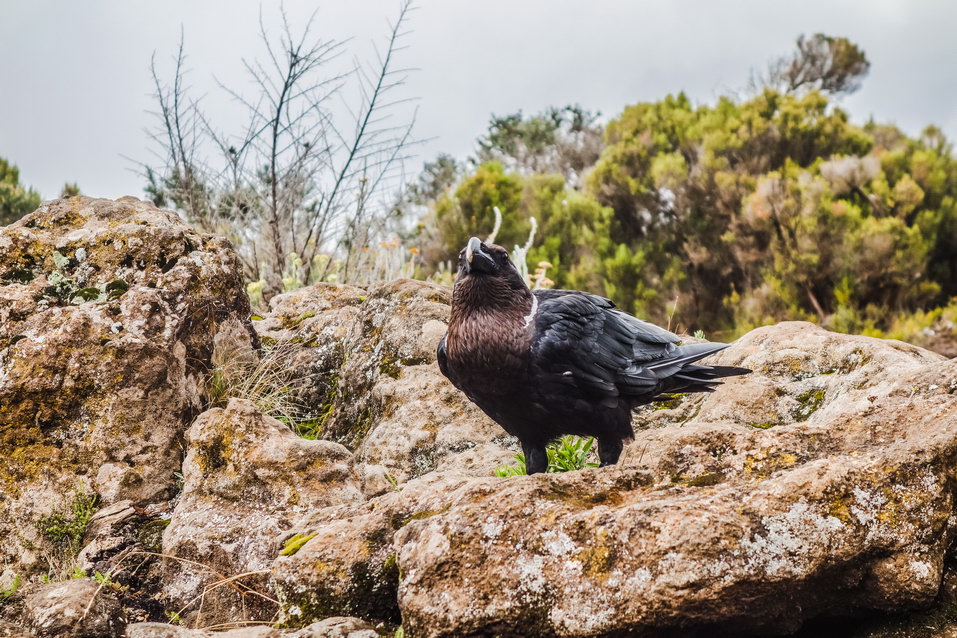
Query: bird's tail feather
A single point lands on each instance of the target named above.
(701, 373)
(679, 374)
(680, 359)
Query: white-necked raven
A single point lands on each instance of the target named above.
(544, 363)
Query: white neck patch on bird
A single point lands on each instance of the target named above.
(531, 313)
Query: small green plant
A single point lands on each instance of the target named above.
(12, 589)
(173, 617)
(516, 469)
(394, 483)
(311, 428)
(293, 545)
(564, 455)
(61, 288)
(66, 290)
(106, 581)
(64, 529)
(699, 334)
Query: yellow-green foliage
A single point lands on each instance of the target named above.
(293, 545)
(748, 211)
(11, 589)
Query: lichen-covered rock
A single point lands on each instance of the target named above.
(372, 355)
(310, 326)
(77, 608)
(347, 563)
(247, 478)
(338, 627)
(116, 530)
(822, 483)
(426, 424)
(109, 312)
(391, 335)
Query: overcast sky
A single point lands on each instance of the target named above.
(76, 84)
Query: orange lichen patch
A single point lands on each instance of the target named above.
(764, 463)
(598, 556)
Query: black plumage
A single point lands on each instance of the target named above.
(545, 363)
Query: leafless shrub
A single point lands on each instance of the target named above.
(294, 182)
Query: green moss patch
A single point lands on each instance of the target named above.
(65, 528)
(669, 401)
(808, 404)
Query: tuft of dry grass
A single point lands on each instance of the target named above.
(123, 568)
(269, 378)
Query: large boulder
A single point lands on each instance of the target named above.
(820, 484)
(369, 361)
(109, 315)
(78, 608)
(347, 563)
(247, 479)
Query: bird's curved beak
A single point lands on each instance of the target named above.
(476, 259)
(474, 246)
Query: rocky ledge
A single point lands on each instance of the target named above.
(819, 488)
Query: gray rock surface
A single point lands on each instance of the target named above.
(247, 478)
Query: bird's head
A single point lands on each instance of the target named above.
(479, 259)
(487, 274)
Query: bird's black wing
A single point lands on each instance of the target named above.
(582, 342)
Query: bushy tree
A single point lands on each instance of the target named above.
(15, 199)
(565, 141)
(821, 63)
(735, 214)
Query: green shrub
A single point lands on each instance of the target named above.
(749, 211)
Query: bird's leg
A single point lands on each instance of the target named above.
(536, 459)
(608, 451)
